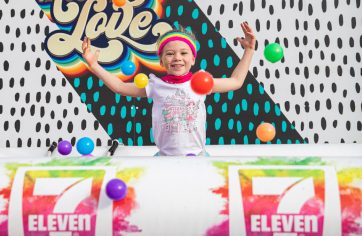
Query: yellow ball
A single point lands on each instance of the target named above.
(141, 80)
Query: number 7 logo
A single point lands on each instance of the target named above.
(57, 199)
(284, 200)
(294, 191)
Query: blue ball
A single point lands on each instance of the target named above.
(128, 68)
(85, 146)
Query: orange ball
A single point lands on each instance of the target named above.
(202, 82)
(265, 132)
(119, 3)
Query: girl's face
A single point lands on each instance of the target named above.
(177, 58)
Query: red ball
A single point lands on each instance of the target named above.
(265, 132)
(202, 82)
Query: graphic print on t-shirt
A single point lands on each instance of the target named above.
(180, 113)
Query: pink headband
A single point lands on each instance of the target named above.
(173, 36)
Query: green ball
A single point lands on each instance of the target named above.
(273, 52)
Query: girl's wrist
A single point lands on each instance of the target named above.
(93, 65)
(249, 50)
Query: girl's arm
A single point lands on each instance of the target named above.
(238, 76)
(111, 81)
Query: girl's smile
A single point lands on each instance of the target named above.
(177, 58)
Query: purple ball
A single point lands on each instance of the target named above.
(190, 155)
(116, 189)
(64, 147)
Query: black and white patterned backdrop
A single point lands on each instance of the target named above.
(37, 105)
(317, 85)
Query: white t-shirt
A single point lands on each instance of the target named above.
(178, 117)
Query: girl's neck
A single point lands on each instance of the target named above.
(177, 79)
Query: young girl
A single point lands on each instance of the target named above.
(178, 113)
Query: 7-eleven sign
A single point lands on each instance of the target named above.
(284, 200)
(60, 201)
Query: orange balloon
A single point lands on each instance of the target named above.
(265, 132)
(119, 3)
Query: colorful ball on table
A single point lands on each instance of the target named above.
(141, 80)
(119, 3)
(202, 82)
(273, 52)
(116, 189)
(128, 68)
(85, 146)
(265, 132)
(64, 147)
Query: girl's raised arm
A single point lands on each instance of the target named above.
(238, 76)
(111, 81)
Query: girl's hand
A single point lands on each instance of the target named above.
(249, 41)
(89, 57)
